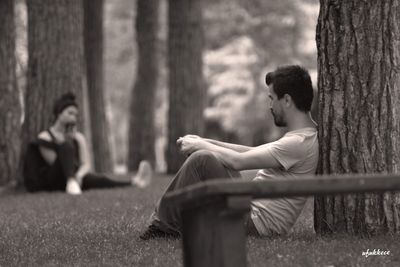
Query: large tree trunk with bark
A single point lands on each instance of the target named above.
(55, 46)
(359, 110)
(186, 82)
(93, 38)
(10, 108)
(141, 123)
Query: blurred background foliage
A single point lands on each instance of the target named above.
(244, 40)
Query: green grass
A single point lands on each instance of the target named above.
(101, 227)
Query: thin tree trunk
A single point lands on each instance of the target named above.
(93, 38)
(186, 81)
(10, 108)
(359, 106)
(141, 124)
(55, 46)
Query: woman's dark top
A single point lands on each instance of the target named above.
(66, 164)
(49, 177)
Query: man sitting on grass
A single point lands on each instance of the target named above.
(293, 156)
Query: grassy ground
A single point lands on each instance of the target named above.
(101, 227)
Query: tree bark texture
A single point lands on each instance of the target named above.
(141, 123)
(93, 38)
(187, 88)
(55, 38)
(55, 66)
(359, 110)
(10, 108)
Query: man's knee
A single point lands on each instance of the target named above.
(202, 155)
(203, 159)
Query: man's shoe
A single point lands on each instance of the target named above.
(153, 232)
(144, 175)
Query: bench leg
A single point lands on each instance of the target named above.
(214, 233)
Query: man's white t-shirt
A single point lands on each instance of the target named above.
(297, 152)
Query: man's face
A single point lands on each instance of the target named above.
(69, 115)
(276, 108)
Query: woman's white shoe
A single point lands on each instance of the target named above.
(144, 175)
(73, 187)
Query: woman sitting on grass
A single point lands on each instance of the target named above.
(66, 153)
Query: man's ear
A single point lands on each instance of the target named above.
(288, 100)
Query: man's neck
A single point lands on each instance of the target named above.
(300, 120)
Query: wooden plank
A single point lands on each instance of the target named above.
(213, 212)
(211, 232)
(307, 186)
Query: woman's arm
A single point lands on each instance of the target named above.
(49, 155)
(84, 157)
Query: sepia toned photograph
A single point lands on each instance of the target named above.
(199, 133)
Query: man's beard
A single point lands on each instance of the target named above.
(278, 120)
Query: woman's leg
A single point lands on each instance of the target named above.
(63, 168)
(95, 180)
(54, 177)
(67, 156)
(200, 166)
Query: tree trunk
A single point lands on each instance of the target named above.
(359, 108)
(186, 83)
(141, 124)
(10, 108)
(93, 38)
(55, 46)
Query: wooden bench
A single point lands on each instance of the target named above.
(213, 212)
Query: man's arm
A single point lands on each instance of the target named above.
(256, 158)
(234, 147)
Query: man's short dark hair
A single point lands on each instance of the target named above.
(294, 81)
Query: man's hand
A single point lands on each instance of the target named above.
(193, 136)
(180, 139)
(190, 143)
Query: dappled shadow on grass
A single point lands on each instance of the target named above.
(101, 227)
